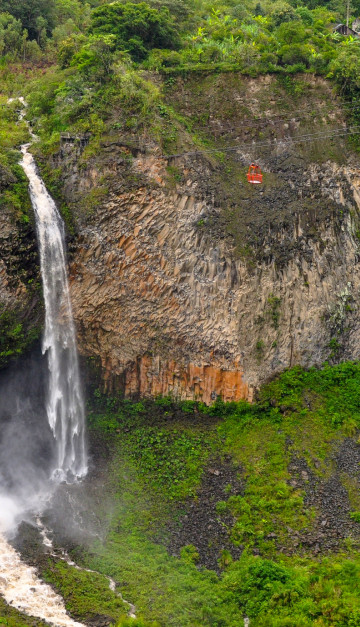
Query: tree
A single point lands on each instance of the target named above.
(138, 28)
(283, 12)
(68, 48)
(11, 34)
(28, 12)
(66, 10)
(346, 71)
(96, 57)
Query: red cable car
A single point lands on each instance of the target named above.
(254, 174)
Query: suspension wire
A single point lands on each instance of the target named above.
(311, 114)
(310, 137)
(354, 105)
(291, 118)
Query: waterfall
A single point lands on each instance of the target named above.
(24, 482)
(65, 406)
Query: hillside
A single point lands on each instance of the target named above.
(249, 281)
(217, 322)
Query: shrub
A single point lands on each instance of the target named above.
(283, 12)
(294, 54)
(189, 553)
(68, 48)
(355, 516)
(137, 28)
(163, 58)
(305, 15)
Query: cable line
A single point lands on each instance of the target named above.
(310, 137)
(279, 118)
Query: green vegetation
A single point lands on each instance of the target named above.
(14, 197)
(88, 594)
(17, 332)
(102, 58)
(15, 336)
(136, 28)
(99, 71)
(10, 617)
(159, 453)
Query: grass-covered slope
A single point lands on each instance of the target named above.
(206, 515)
(10, 617)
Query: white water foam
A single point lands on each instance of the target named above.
(65, 406)
(66, 558)
(22, 589)
(19, 584)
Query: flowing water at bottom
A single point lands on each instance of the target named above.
(22, 589)
(21, 483)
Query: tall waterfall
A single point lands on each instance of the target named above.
(65, 406)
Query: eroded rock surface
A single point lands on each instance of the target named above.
(169, 300)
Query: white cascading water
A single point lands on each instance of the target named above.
(19, 584)
(65, 406)
(22, 589)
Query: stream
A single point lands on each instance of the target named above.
(22, 589)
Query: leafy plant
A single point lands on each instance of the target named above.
(137, 28)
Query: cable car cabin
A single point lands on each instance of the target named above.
(254, 174)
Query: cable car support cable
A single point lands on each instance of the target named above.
(310, 137)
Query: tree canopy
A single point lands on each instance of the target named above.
(137, 27)
(31, 13)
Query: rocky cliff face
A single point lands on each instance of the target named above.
(187, 281)
(20, 293)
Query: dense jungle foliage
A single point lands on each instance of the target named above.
(98, 55)
(272, 461)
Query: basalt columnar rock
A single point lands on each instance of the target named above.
(20, 294)
(184, 279)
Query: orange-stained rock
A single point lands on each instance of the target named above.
(149, 377)
(170, 303)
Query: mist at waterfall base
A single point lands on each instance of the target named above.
(26, 441)
(42, 442)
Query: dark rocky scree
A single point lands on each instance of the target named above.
(201, 526)
(330, 498)
(198, 522)
(348, 458)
